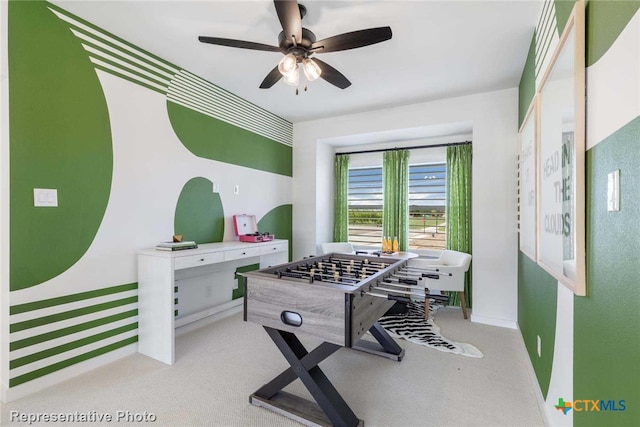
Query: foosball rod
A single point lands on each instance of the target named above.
(307, 277)
(404, 275)
(352, 263)
(333, 276)
(381, 265)
(399, 285)
(439, 297)
(406, 281)
(425, 270)
(328, 265)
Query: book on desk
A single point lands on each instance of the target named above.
(176, 246)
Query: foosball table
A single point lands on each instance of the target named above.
(336, 298)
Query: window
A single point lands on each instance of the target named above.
(365, 206)
(427, 197)
(427, 201)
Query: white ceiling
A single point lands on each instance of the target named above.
(439, 49)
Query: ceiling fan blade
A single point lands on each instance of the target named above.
(332, 75)
(272, 78)
(238, 43)
(289, 15)
(352, 40)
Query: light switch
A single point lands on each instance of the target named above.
(236, 189)
(45, 197)
(613, 191)
(216, 187)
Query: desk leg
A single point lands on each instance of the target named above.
(304, 365)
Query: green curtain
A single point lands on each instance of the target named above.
(395, 172)
(459, 208)
(341, 204)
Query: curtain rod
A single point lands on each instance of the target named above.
(450, 144)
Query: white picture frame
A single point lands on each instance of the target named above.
(528, 182)
(561, 158)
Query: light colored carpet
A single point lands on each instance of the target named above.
(220, 365)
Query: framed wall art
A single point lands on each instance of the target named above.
(561, 157)
(528, 182)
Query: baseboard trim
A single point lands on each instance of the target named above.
(494, 322)
(10, 394)
(534, 379)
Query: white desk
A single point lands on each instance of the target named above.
(211, 267)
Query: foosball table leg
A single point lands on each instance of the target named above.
(387, 347)
(331, 409)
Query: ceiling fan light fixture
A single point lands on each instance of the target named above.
(311, 70)
(292, 78)
(288, 64)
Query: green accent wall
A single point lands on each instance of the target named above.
(199, 212)
(239, 293)
(563, 11)
(69, 362)
(527, 87)
(605, 21)
(214, 139)
(537, 301)
(279, 221)
(60, 138)
(607, 320)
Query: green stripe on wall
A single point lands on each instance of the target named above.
(185, 86)
(125, 77)
(153, 78)
(37, 305)
(563, 11)
(211, 138)
(37, 339)
(605, 22)
(606, 321)
(527, 88)
(27, 324)
(25, 360)
(66, 363)
(537, 310)
(168, 65)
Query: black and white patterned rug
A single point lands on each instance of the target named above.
(413, 327)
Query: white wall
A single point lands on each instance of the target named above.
(494, 119)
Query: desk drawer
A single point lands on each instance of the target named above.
(196, 260)
(275, 248)
(242, 253)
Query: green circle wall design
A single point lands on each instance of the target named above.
(279, 221)
(199, 212)
(60, 139)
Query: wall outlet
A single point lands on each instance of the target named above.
(539, 346)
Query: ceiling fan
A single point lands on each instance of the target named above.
(298, 44)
